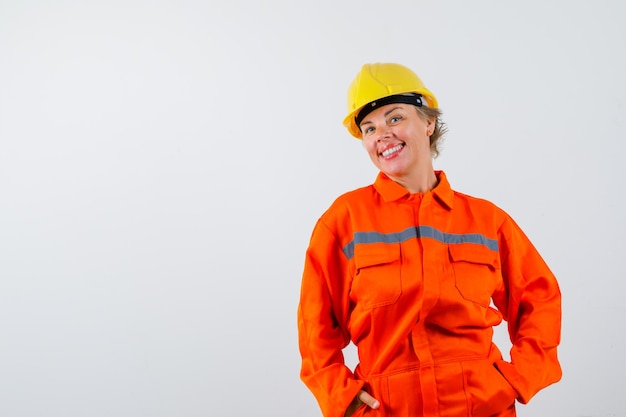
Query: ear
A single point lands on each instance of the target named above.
(430, 126)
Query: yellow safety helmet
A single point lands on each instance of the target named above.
(377, 81)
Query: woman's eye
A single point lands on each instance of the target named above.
(395, 119)
(368, 130)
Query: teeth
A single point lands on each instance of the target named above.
(390, 151)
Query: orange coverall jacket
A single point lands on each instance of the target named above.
(417, 282)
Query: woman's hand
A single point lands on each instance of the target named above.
(362, 398)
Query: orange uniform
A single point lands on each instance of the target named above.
(417, 282)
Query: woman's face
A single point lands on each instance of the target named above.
(397, 140)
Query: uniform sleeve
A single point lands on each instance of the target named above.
(322, 317)
(531, 305)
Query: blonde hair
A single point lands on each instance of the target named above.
(436, 138)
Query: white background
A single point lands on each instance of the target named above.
(162, 164)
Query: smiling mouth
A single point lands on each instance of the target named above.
(390, 151)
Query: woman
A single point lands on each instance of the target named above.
(416, 275)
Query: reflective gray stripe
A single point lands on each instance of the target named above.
(418, 232)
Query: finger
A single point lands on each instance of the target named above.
(369, 400)
(356, 403)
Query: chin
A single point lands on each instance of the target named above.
(392, 172)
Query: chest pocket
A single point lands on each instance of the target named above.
(477, 272)
(377, 281)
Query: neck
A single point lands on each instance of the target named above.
(420, 181)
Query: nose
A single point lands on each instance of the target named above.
(384, 132)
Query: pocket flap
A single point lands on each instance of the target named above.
(474, 253)
(371, 254)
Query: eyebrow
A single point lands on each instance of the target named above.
(392, 110)
(386, 114)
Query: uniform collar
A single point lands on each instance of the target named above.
(392, 191)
